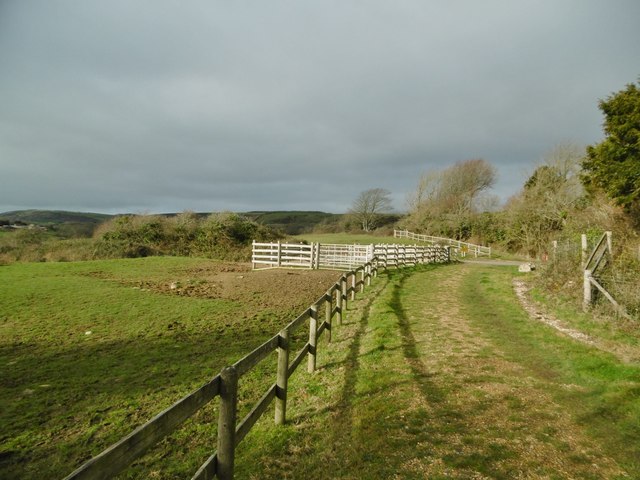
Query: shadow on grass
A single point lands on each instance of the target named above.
(60, 406)
(344, 406)
(421, 374)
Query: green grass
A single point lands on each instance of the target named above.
(606, 396)
(436, 373)
(405, 393)
(86, 355)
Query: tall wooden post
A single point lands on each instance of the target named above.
(313, 339)
(583, 256)
(227, 423)
(282, 379)
(609, 245)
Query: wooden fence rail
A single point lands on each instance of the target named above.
(341, 256)
(225, 385)
(462, 248)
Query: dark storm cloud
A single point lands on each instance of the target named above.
(165, 106)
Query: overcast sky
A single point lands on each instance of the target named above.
(163, 106)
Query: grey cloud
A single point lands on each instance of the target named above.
(123, 106)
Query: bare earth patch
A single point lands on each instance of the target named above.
(536, 312)
(262, 289)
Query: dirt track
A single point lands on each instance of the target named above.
(429, 392)
(503, 411)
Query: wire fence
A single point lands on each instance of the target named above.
(618, 272)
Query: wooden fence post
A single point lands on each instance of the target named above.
(279, 254)
(312, 255)
(227, 423)
(328, 307)
(583, 240)
(586, 303)
(253, 249)
(362, 276)
(282, 378)
(354, 279)
(317, 258)
(313, 339)
(344, 282)
(609, 245)
(339, 300)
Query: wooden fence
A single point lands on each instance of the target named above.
(342, 257)
(318, 318)
(462, 248)
(275, 255)
(599, 258)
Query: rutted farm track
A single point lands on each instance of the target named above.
(425, 390)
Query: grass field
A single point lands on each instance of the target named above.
(89, 350)
(436, 373)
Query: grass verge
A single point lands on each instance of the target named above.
(601, 392)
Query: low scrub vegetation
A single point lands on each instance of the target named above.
(219, 235)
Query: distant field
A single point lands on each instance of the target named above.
(350, 238)
(89, 350)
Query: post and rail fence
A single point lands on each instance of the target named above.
(220, 464)
(462, 248)
(340, 256)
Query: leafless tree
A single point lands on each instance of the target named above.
(444, 200)
(369, 206)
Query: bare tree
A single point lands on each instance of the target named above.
(444, 200)
(369, 206)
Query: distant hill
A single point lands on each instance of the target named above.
(53, 217)
(83, 223)
(59, 223)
